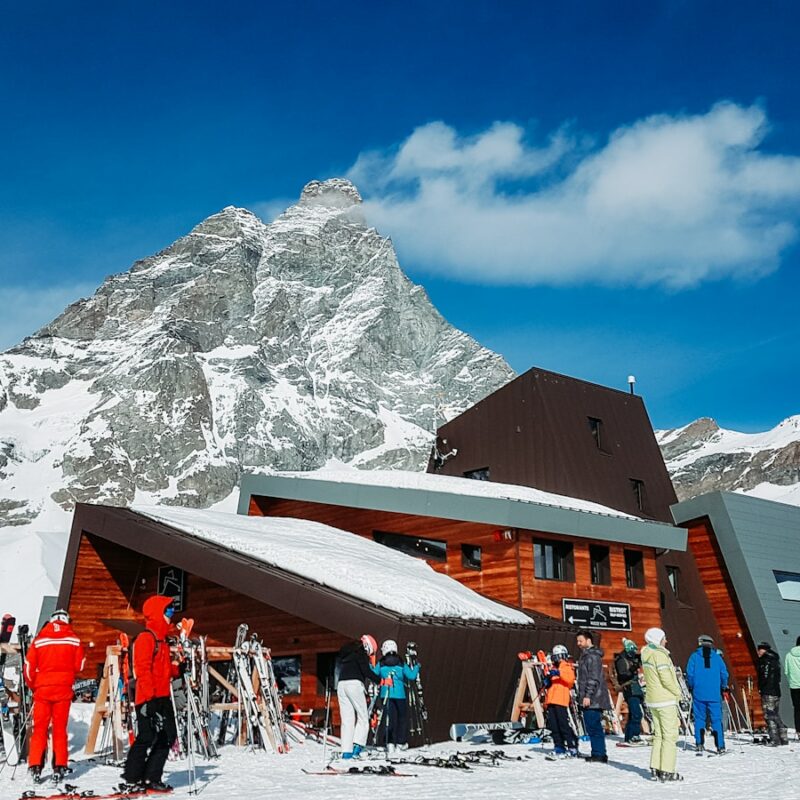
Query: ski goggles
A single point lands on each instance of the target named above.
(169, 612)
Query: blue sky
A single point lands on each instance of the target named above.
(596, 188)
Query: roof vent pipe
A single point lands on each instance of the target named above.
(631, 382)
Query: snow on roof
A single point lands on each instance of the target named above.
(448, 484)
(340, 560)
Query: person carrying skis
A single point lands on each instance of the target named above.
(593, 695)
(627, 664)
(663, 696)
(54, 659)
(393, 673)
(791, 668)
(559, 681)
(154, 670)
(769, 687)
(355, 671)
(707, 679)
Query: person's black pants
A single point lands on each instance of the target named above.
(561, 730)
(395, 722)
(796, 704)
(157, 732)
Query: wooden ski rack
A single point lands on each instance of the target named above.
(527, 686)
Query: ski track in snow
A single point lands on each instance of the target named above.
(751, 771)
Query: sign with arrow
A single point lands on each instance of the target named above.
(596, 614)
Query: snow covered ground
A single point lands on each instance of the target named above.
(750, 771)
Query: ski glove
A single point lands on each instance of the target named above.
(554, 673)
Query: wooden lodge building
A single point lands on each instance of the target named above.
(549, 555)
(306, 589)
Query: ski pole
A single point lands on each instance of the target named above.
(327, 717)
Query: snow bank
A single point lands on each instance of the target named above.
(342, 561)
(448, 484)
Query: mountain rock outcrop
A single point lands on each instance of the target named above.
(243, 345)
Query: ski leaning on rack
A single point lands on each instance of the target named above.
(241, 635)
(418, 712)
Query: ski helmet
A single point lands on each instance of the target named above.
(60, 616)
(369, 644)
(561, 651)
(705, 639)
(389, 646)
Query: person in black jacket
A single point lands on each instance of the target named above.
(593, 697)
(627, 664)
(354, 672)
(769, 687)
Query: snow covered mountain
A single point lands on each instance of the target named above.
(702, 457)
(242, 345)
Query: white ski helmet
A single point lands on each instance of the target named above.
(561, 651)
(389, 646)
(60, 616)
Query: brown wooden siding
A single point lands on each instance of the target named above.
(507, 572)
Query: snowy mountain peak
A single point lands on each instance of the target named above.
(333, 193)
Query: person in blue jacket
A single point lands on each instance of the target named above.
(394, 673)
(707, 678)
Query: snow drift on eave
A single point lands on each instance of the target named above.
(341, 561)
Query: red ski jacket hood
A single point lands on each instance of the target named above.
(54, 659)
(152, 662)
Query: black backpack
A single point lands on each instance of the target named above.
(626, 667)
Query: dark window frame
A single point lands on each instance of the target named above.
(600, 564)
(468, 560)
(634, 569)
(639, 493)
(480, 474)
(674, 580)
(416, 546)
(556, 557)
(784, 576)
(596, 429)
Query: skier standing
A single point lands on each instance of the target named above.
(663, 696)
(791, 665)
(354, 673)
(769, 687)
(393, 673)
(559, 681)
(627, 664)
(154, 671)
(592, 694)
(707, 678)
(54, 658)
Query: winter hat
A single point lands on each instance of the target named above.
(655, 636)
(61, 615)
(763, 646)
(369, 644)
(705, 639)
(629, 645)
(389, 646)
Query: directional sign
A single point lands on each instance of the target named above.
(172, 583)
(596, 614)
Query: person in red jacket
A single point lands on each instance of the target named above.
(54, 659)
(154, 671)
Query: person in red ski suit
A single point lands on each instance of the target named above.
(154, 670)
(54, 659)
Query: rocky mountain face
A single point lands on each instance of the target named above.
(702, 457)
(243, 345)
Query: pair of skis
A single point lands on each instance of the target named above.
(70, 792)
(384, 770)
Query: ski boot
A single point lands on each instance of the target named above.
(655, 774)
(668, 777)
(157, 787)
(35, 772)
(129, 789)
(59, 773)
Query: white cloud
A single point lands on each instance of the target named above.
(671, 200)
(28, 308)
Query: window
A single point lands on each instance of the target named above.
(471, 556)
(430, 549)
(634, 569)
(287, 673)
(674, 578)
(788, 584)
(481, 474)
(639, 493)
(326, 671)
(552, 561)
(600, 560)
(596, 427)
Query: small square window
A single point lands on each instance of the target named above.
(429, 549)
(788, 585)
(471, 556)
(600, 561)
(634, 569)
(553, 561)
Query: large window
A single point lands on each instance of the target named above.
(600, 561)
(429, 549)
(471, 556)
(788, 584)
(481, 474)
(287, 673)
(634, 569)
(326, 672)
(552, 561)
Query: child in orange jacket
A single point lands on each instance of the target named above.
(559, 682)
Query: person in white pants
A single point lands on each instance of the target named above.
(354, 672)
